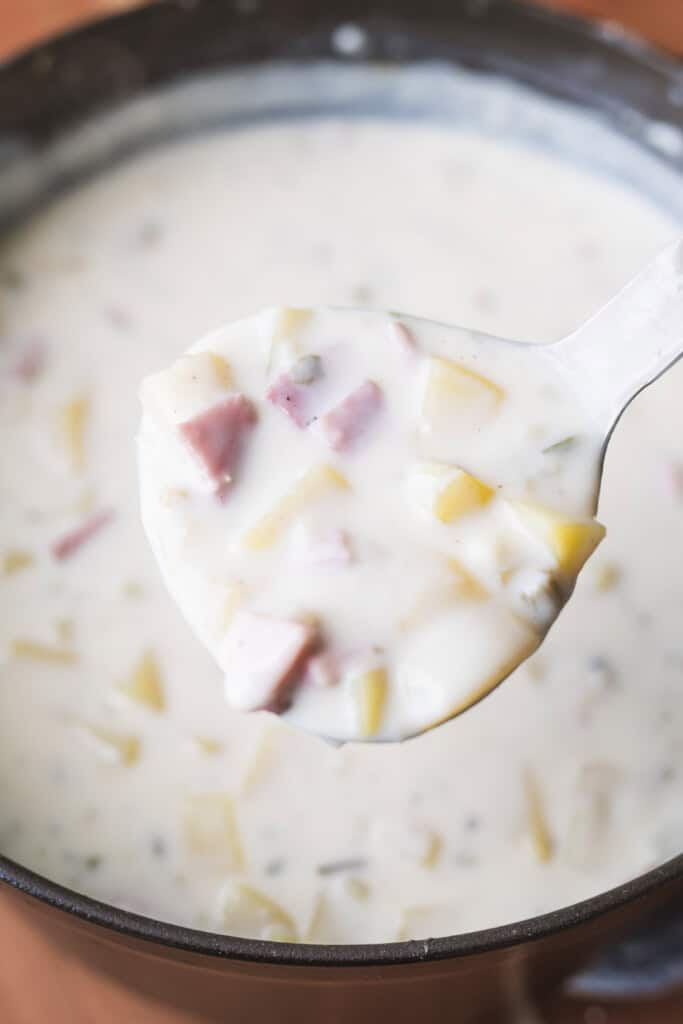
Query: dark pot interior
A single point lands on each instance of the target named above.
(53, 93)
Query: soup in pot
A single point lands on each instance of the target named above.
(124, 773)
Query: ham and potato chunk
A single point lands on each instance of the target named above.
(365, 518)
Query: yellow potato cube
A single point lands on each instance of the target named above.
(539, 829)
(16, 560)
(283, 344)
(188, 387)
(466, 585)
(32, 650)
(447, 492)
(221, 370)
(607, 576)
(461, 495)
(114, 746)
(65, 631)
(144, 684)
(452, 389)
(74, 418)
(371, 693)
(289, 322)
(248, 911)
(572, 541)
(314, 484)
(210, 829)
(208, 745)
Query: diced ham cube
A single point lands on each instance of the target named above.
(294, 391)
(344, 424)
(30, 363)
(264, 659)
(291, 397)
(69, 544)
(215, 436)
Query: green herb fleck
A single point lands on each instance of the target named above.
(561, 446)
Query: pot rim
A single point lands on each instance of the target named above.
(212, 944)
(384, 954)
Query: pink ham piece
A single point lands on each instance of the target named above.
(344, 424)
(291, 397)
(69, 544)
(30, 363)
(215, 436)
(264, 659)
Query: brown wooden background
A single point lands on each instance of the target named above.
(37, 984)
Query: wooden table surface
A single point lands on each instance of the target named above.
(37, 984)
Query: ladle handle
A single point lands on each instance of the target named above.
(633, 339)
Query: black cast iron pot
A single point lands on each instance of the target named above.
(78, 80)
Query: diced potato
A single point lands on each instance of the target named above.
(466, 585)
(586, 844)
(607, 576)
(133, 590)
(288, 322)
(245, 910)
(461, 495)
(259, 762)
(188, 386)
(208, 745)
(371, 689)
(539, 829)
(572, 541)
(173, 496)
(74, 420)
(210, 829)
(86, 502)
(314, 484)
(452, 390)
(144, 684)
(357, 888)
(115, 746)
(221, 369)
(433, 851)
(318, 928)
(448, 492)
(14, 561)
(31, 650)
(65, 630)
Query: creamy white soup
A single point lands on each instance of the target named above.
(369, 520)
(124, 772)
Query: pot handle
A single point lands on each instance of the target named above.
(647, 962)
